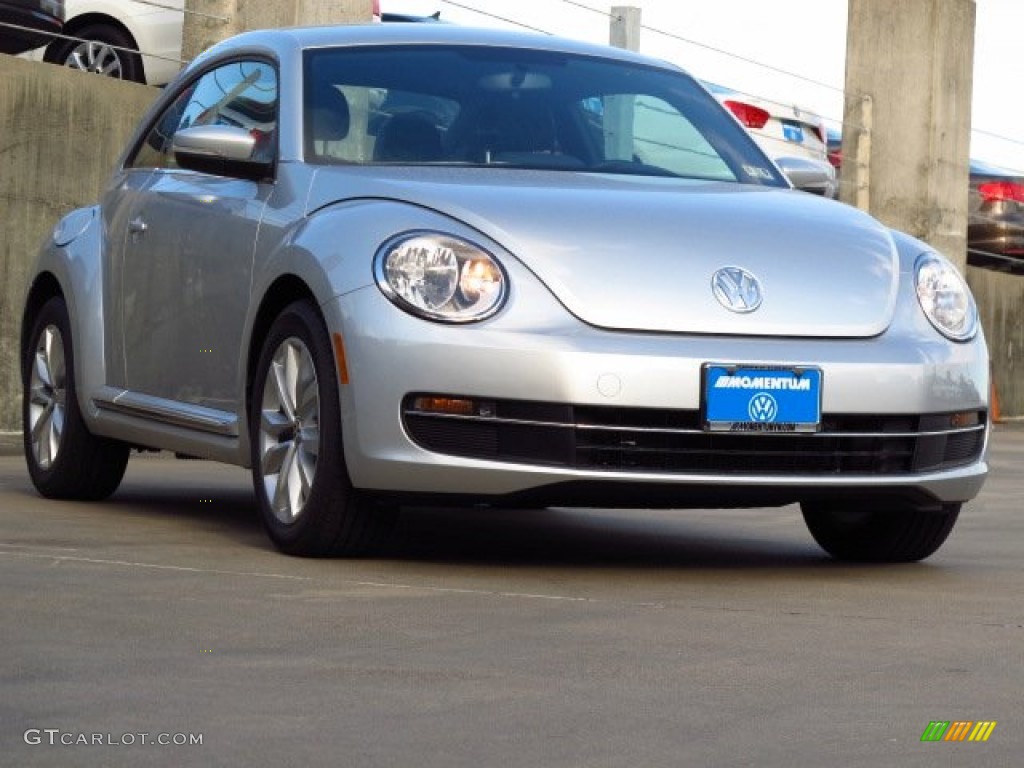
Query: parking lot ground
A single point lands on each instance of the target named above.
(497, 638)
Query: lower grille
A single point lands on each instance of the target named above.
(671, 441)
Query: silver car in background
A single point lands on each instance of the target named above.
(386, 265)
(794, 137)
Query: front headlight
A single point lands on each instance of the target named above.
(440, 277)
(945, 297)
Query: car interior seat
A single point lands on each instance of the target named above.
(515, 131)
(329, 121)
(408, 137)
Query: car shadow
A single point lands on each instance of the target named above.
(590, 538)
(502, 537)
(229, 514)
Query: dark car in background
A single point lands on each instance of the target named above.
(995, 212)
(27, 24)
(995, 224)
(410, 18)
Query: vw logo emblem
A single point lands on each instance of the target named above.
(736, 289)
(763, 408)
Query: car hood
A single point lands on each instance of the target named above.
(641, 253)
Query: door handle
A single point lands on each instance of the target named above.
(137, 226)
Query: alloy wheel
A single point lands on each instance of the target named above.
(289, 431)
(97, 57)
(48, 397)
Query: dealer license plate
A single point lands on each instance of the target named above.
(756, 399)
(793, 132)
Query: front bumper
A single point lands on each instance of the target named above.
(890, 407)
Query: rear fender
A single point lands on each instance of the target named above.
(72, 256)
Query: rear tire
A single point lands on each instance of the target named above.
(65, 460)
(307, 502)
(889, 533)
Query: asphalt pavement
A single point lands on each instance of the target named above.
(160, 628)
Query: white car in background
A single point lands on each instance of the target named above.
(795, 138)
(108, 34)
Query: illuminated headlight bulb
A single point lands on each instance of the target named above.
(480, 280)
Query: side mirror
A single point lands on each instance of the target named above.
(223, 150)
(808, 175)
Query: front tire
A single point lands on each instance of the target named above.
(65, 460)
(891, 532)
(306, 499)
(106, 50)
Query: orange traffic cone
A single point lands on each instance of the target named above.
(997, 417)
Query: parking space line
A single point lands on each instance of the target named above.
(154, 566)
(4, 551)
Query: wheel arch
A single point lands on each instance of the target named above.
(285, 290)
(73, 26)
(77, 463)
(44, 287)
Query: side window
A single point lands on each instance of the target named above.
(243, 94)
(664, 137)
(366, 124)
(631, 128)
(154, 152)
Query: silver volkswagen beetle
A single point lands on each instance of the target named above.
(406, 264)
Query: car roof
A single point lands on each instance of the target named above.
(982, 168)
(293, 40)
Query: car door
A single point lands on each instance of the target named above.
(188, 250)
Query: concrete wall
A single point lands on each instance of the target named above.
(61, 132)
(1000, 299)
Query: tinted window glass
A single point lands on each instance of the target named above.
(242, 94)
(154, 150)
(520, 109)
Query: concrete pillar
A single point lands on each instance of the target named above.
(1000, 299)
(624, 31)
(206, 22)
(913, 59)
(210, 21)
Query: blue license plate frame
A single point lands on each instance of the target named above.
(761, 399)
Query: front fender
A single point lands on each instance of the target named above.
(332, 250)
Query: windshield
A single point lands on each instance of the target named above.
(519, 108)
